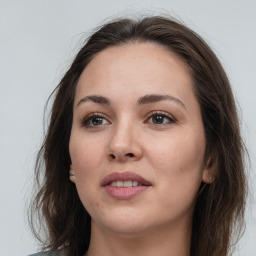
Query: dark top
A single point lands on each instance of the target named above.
(43, 254)
(49, 253)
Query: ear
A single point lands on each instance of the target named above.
(208, 173)
(207, 177)
(72, 176)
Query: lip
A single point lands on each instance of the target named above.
(122, 176)
(125, 193)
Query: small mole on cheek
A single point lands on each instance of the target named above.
(97, 204)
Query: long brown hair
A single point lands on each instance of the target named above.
(219, 210)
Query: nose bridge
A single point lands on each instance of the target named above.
(122, 133)
(123, 142)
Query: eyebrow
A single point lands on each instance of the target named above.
(96, 99)
(147, 99)
(152, 98)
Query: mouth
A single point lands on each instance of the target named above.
(125, 185)
(124, 179)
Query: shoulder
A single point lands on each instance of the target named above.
(60, 252)
(43, 254)
(49, 253)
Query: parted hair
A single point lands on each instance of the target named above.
(219, 211)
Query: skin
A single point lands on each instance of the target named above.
(170, 154)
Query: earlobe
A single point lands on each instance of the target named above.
(72, 176)
(208, 175)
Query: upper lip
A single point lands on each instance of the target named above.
(123, 176)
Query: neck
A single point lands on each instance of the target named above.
(165, 241)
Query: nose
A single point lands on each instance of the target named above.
(124, 144)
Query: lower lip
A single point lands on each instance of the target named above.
(125, 193)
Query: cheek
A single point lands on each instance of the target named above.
(86, 154)
(179, 168)
(179, 158)
(86, 157)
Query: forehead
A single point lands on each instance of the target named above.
(135, 68)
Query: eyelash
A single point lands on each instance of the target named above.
(86, 121)
(170, 118)
(89, 118)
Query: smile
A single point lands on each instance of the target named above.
(125, 185)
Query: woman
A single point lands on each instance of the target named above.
(143, 154)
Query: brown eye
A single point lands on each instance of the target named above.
(158, 119)
(97, 121)
(94, 120)
(161, 119)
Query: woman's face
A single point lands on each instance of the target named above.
(137, 142)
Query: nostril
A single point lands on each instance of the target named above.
(112, 156)
(130, 154)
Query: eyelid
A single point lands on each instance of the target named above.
(155, 112)
(150, 115)
(91, 115)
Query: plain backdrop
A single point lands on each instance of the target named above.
(38, 40)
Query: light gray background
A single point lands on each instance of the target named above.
(38, 39)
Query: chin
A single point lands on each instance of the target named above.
(129, 230)
(124, 224)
